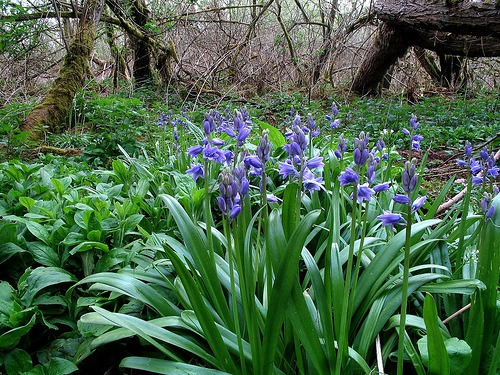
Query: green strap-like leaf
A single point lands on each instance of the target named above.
(439, 363)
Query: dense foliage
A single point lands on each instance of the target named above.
(234, 242)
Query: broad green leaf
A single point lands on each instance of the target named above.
(289, 209)
(39, 231)
(17, 361)
(9, 249)
(275, 136)
(438, 357)
(286, 274)
(454, 286)
(43, 277)
(152, 332)
(44, 254)
(161, 366)
(459, 353)
(27, 202)
(89, 245)
(59, 366)
(134, 288)
(11, 338)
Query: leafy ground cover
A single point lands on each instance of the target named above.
(228, 242)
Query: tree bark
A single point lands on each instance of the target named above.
(389, 45)
(54, 108)
(466, 17)
(447, 27)
(142, 54)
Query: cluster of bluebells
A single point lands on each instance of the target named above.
(483, 169)
(175, 123)
(233, 186)
(362, 158)
(297, 165)
(415, 138)
(332, 118)
(409, 184)
(210, 148)
(256, 164)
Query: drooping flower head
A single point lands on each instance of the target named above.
(208, 124)
(410, 177)
(197, 171)
(264, 147)
(361, 153)
(341, 147)
(349, 176)
(390, 219)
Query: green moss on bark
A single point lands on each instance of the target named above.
(54, 108)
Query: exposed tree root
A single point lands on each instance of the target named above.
(60, 151)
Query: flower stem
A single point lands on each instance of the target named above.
(404, 292)
(234, 302)
(463, 220)
(344, 329)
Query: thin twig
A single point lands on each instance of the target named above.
(465, 308)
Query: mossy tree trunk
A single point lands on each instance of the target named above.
(142, 54)
(54, 108)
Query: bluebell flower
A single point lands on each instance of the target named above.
(475, 166)
(264, 147)
(468, 149)
(229, 156)
(402, 199)
(415, 142)
(491, 168)
(253, 160)
(217, 141)
(214, 154)
(272, 198)
(390, 219)
(484, 153)
(413, 122)
(235, 211)
(405, 131)
(242, 135)
(361, 153)
(380, 144)
(348, 176)
(341, 147)
(335, 124)
(477, 180)
(381, 187)
(335, 110)
(418, 203)
(197, 171)
(410, 177)
(208, 124)
(462, 163)
(293, 149)
(364, 192)
(194, 151)
(315, 162)
(312, 184)
(486, 205)
(490, 212)
(287, 169)
(245, 185)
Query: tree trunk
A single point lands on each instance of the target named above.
(389, 45)
(447, 27)
(327, 44)
(54, 108)
(120, 69)
(142, 53)
(466, 17)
